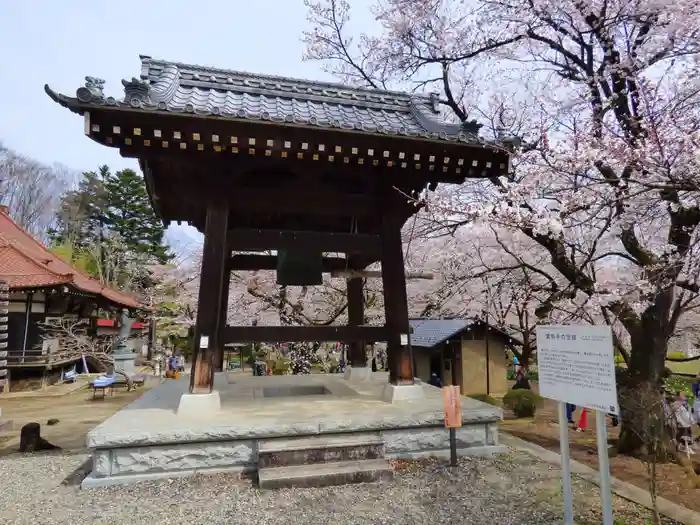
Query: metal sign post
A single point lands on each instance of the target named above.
(565, 458)
(577, 366)
(604, 467)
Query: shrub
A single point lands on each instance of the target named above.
(523, 403)
(675, 384)
(485, 398)
(280, 367)
(676, 355)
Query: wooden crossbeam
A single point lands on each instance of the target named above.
(264, 200)
(371, 274)
(251, 262)
(250, 240)
(270, 334)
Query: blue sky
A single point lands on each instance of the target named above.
(59, 43)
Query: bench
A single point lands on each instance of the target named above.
(102, 384)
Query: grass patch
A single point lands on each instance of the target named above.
(686, 367)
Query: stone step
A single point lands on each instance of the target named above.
(319, 449)
(325, 474)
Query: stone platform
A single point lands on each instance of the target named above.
(148, 440)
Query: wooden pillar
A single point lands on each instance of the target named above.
(27, 318)
(356, 317)
(225, 288)
(208, 325)
(395, 302)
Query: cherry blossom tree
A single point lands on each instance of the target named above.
(598, 102)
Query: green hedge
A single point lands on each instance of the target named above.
(522, 402)
(485, 398)
(676, 355)
(280, 367)
(675, 384)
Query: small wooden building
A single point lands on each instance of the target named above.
(42, 286)
(468, 350)
(307, 169)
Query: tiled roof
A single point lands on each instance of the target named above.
(430, 332)
(177, 88)
(26, 263)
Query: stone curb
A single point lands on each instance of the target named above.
(620, 488)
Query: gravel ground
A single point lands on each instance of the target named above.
(508, 490)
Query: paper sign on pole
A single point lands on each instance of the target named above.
(453, 407)
(576, 365)
(204, 341)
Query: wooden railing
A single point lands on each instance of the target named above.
(29, 356)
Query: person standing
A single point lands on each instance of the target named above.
(695, 415)
(435, 380)
(521, 381)
(570, 409)
(684, 422)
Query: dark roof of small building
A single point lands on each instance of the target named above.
(176, 88)
(430, 332)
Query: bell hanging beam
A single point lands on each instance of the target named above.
(371, 274)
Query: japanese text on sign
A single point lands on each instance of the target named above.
(576, 365)
(453, 407)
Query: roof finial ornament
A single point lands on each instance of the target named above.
(472, 126)
(435, 103)
(93, 90)
(136, 91)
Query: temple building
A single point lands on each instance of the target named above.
(42, 286)
(304, 178)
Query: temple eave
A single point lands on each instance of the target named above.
(73, 104)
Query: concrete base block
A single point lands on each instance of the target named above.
(475, 452)
(199, 405)
(92, 481)
(398, 393)
(357, 373)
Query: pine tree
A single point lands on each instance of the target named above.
(108, 226)
(130, 215)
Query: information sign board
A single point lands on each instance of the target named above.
(453, 407)
(576, 365)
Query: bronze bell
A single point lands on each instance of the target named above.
(299, 268)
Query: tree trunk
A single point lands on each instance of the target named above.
(645, 370)
(525, 355)
(30, 439)
(129, 382)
